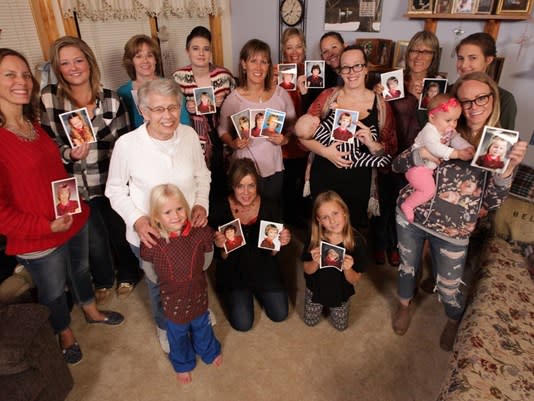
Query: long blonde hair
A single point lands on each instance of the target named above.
(158, 196)
(317, 231)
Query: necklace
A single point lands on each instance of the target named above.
(26, 134)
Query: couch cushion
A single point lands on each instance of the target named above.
(492, 356)
(19, 323)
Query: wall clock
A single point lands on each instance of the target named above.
(291, 12)
(292, 15)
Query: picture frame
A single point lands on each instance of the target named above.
(287, 76)
(256, 122)
(353, 16)
(399, 55)
(393, 83)
(494, 148)
(428, 92)
(331, 256)
(378, 51)
(204, 100)
(420, 6)
(344, 126)
(485, 6)
(272, 123)
(464, 7)
(317, 80)
(241, 121)
(78, 127)
(495, 68)
(443, 6)
(269, 235)
(235, 240)
(514, 7)
(65, 197)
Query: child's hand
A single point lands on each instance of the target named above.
(316, 255)
(219, 239)
(285, 237)
(348, 262)
(61, 224)
(306, 126)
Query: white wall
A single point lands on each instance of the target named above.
(259, 19)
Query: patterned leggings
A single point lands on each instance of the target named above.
(339, 316)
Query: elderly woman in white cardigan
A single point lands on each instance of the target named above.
(160, 151)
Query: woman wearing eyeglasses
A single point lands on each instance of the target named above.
(422, 61)
(346, 167)
(463, 194)
(76, 68)
(475, 53)
(160, 151)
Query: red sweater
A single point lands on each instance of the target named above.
(26, 202)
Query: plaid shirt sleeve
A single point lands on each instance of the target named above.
(110, 121)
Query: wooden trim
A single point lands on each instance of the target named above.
(45, 23)
(492, 27)
(69, 23)
(153, 28)
(216, 40)
(468, 17)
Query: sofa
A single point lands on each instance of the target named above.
(32, 367)
(493, 356)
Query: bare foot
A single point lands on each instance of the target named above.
(218, 361)
(184, 377)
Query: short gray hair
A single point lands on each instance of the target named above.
(163, 87)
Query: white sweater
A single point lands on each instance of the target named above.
(140, 162)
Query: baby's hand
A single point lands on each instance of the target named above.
(306, 126)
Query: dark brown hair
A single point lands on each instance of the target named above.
(132, 47)
(249, 49)
(239, 169)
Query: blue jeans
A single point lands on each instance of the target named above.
(107, 238)
(189, 339)
(448, 261)
(240, 304)
(67, 264)
(153, 289)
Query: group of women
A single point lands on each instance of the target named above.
(170, 143)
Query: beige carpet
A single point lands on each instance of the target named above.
(285, 361)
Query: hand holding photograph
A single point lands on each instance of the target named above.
(269, 235)
(331, 256)
(78, 127)
(204, 100)
(494, 148)
(66, 197)
(234, 235)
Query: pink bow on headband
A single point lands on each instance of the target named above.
(452, 102)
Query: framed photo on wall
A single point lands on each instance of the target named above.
(495, 68)
(443, 6)
(420, 6)
(399, 56)
(514, 7)
(464, 7)
(485, 6)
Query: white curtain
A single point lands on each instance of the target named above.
(103, 10)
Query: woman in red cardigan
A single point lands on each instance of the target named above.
(54, 251)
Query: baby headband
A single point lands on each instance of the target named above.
(452, 102)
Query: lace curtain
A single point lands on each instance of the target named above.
(103, 10)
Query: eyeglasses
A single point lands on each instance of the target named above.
(173, 108)
(356, 68)
(481, 100)
(415, 52)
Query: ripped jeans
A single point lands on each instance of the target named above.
(448, 261)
